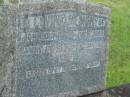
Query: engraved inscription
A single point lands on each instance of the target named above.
(69, 37)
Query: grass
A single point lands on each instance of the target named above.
(119, 60)
(1, 2)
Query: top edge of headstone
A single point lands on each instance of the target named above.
(45, 1)
(9, 2)
(94, 9)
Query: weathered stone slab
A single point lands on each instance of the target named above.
(61, 49)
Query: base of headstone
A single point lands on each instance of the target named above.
(99, 94)
(122, 91)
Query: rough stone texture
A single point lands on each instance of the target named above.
(59, 6)
(7, 58)
(40, 1)
(44, 1)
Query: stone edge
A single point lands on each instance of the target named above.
(94, 9)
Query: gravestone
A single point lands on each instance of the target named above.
(61, 49)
